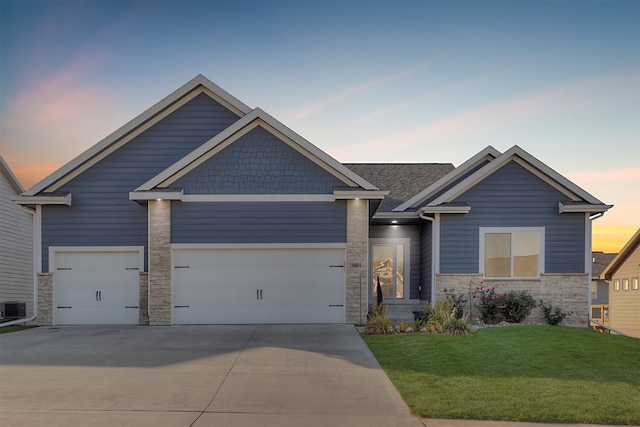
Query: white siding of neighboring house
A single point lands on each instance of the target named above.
(16, 245)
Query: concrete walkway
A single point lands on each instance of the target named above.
(267, 375)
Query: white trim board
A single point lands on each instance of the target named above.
(250, 246)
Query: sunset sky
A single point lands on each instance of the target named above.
(401, 81)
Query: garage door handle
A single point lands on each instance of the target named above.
(336, 305)
(258, 293)
(180, 306)
(130, 306)
(336, 266)
(65, 307)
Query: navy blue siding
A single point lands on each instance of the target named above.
(404, 232)
(426, 259)
(512, 197)
(258, 163)
(101, 213)
(255, 222)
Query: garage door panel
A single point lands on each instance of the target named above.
(259, 286)
(97, 287)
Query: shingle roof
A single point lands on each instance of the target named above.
(402, 180)
(600, 261)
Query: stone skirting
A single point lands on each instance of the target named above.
(159, 262)
(45, 299)
(356, 261)
(570, 292)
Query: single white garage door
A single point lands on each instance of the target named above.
(96, 287)
(236, 286)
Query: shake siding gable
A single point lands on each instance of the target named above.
(101, 213)
(258, 163)
(512, 197)
(259, 222)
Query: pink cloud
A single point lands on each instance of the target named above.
(611, 175)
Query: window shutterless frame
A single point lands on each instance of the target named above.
(511, 252)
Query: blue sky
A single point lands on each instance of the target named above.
(403, 81)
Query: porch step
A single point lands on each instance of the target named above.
(403, 311)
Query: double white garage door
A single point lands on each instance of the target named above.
(209, 286)
(217, 286)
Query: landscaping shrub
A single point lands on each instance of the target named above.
(443, 320)
(458, 301)
(491, 305)
(554, 315)
(518, 305)
(379, 321)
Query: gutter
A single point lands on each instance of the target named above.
(35, 280)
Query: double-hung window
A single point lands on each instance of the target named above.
(511, 252)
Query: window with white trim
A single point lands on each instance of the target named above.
(625, 284)
(634, 283)
(511, 252)
(616, 284)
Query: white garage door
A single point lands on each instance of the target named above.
(234, 286)
(96, 287)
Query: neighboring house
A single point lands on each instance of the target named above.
(600, 288)
(16, 247)
(623, 273)
(203, 210)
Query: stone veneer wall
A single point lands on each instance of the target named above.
(143, 304)
(356, 261)
(159, 262)
(567, 291)
(45, 299)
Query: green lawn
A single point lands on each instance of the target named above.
(14, 328)
(518, 373)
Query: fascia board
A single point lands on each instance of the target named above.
(138, 121)
(395, 215)
(446, 209)
(489, 153)
(528, 161)
(615, 263)
(155, 195)
(342, 195)
(562, 208)
(43, 200)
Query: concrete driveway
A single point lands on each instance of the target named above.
(266, 375)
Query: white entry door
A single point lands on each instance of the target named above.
(96, 287)
(239, 286)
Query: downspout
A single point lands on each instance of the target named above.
(589, 259)
(422, 215)
(35, 277)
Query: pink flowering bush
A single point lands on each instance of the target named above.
(491, 305)
(512, 307)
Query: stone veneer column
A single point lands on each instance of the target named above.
(356, 261)
(143, 298)
(45, 299)
(159, 262)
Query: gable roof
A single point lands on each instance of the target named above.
(11, 178)
(622, 256)
(488, 154)
(402, 180)
(579, 199)
(170, 103)
(256, 117)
